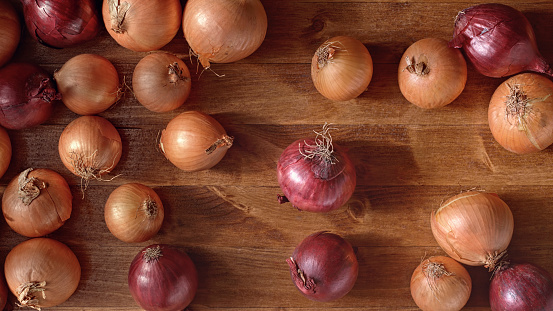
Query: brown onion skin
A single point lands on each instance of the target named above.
(224, 31)
(27, 94)
(43, 259)
(329, 265)
(168, 283)
(321, 187)
(45, 213)
(95, 140)
(521, 287)
(61, 23)
(5, 151)
(346, 72)
(509, 49)
(445, 79)
(147, 25)
(187, 137)
(133, 213)
(10, 31)
(88, 83)
(527, 125)
(160, 85)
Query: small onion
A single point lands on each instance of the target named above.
(27, 94)
(133, 213)
(440, 283)
(521, 287)
(37, 202)
(5, 152)
(162, 278)
(61, 23)
(161, 82)
(324, 267)
(341, 68)
(194, 141)
(474, 228)
(431, 74)
(42, 272)
(10, 31)
(88, 83)
(90, 147)
(521, 113)
(224, 31)
(142, 25)
(316, 175)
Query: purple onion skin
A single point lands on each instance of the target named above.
(168, 283)
(521, 287)
(61, 23)
(498, 40)
(27, 94)
(328, 264)
(312, 184)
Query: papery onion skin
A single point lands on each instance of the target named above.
(88, 83)
(521, 287)
(27, 94)
(133, 213)
(474, 228)
(431, 74)
(498, 40)
(194, 141)
(161, 82)
(10, 31)
(341, 68)
(42, 260)
(440, 283)
(316, 184)
(162, 278)
(37, 202)
(520, 113)
(5, 152)
(90, 147)
(224, 31)
(142, 25)
(324, 267)
(61, 23)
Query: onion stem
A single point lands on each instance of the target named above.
(225, 141)
(117, 13)
(25, 294)
(152, 253)
(419, 68)
(29, 188)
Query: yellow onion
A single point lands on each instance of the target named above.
(142, 25)
(341, 68)
(10, 31)
(42, 272)
(224, 31)
(474, 228)
(133, 213)
(440, 283)
(37, 202)
(520, 113)
(5, 151)
(88, 83)
(431, 74)
(194, 141)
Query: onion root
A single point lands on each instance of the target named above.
(25, 294)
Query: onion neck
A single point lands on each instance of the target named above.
(26, 294)
(325, 54)
(45, 92)
(117, 14)
(152, 254)
(539, 64)
(224, 142)
(420, 67)
(29, 188)
(495, 261)
(175, 73)
(305, 283)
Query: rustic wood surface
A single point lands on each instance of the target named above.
(227, 219)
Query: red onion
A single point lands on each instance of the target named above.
(324, 266)
(162, 278)
(61, 23)
(498, 40)
(316, 175)
(521, 287)
(26, 95)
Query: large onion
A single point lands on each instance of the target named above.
(224, 31)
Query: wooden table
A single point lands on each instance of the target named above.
(228, 220)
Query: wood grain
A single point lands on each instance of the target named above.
(408, 160)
